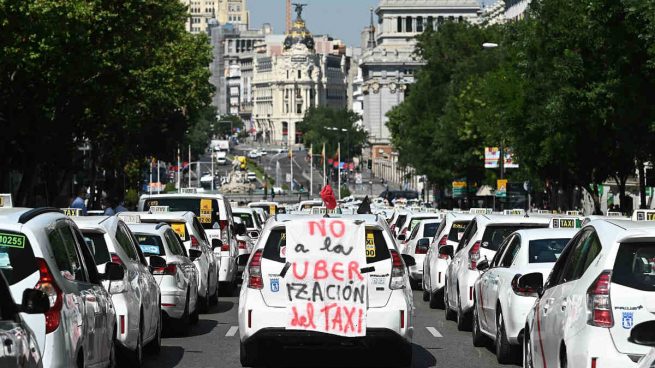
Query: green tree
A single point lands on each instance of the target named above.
(330, 126)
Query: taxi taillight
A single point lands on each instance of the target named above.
(599, 304)
(255, 280)
(242, 244)
(47, 285)
(397, 271)
(474, 256)
(169, 270)
(194, 243)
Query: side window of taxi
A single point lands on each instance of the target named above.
(512, 249)
(63, 247)
(125, 242)
(501, 251)
(468, 233)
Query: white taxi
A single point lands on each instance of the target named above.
(417, 246)
(500, 306)
(435, 265)
(386, 308)
(602, 285)
(480, 240)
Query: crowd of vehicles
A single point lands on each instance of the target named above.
(541, 289)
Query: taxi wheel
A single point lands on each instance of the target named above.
(204, 301)
(479, 339)
(426, 295)
(463, 322)
(248, 355)
(214, 298)
(563, 359)
(504, 350)
(155, 345)
(182, 325)
(450, 315)
(436, 299)
(136, 356)
(112, 352)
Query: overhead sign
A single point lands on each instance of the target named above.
(72, 212)
(492, 158)
(326, 291)
(459, 189)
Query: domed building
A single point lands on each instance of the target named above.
(286, 85)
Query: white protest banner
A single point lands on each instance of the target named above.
(325, 288)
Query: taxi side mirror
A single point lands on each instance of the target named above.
(446, 250)
(194, 254)
(483, 265)
(114, 272)
(409, 260)
(643, 334)
(531, 284)
(217, 244)
(34, 302)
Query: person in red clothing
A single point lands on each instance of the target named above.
(327, 194)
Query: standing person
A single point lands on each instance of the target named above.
(79, 201)
(110, 207)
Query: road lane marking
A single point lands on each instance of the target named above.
(232, 331)
(433, 331)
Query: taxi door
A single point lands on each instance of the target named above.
(378, 261)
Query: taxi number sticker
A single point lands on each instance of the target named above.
(2, 201)
(205, 216)
(650, 216)
(370, 246)
(272, 210)
(12, 241)
(180, 229)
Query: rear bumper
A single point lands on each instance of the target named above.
(279, 337)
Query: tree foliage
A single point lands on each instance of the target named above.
(323, 125)
(570, 89)
(121, 79)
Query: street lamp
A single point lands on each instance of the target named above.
(501, 162)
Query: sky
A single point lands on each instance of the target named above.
(343, 19)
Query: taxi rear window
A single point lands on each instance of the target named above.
(430, 230)
(634, 266)
(17, 259)
(457, 230)
(494, 235)
(247, 219)
(151, 245)
(546, 250)
(98, 246)
(206, 210)
(376, 246)
(400, 221)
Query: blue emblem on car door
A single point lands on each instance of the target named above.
(275, 285)
(627, 320)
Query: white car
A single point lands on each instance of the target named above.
(177, 279)
(251, 176)
(417, 246)
(601, 286)
(397, 221)
(271, 208)
(436, 264)
(214, 213)
(413, 219)
(186, 225)
(261, 214)
(245, 243)
(480, 241)
(264, 305)
(254, 154)
(136, 298)
(500, 306)
(250, 219)
(43, 249)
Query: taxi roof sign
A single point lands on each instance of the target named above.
(129, 218)
(72, 212)
(189, 190)
(573, 213)
(614, 214)
(481, 211)
(159, 209)
(5, 201)
(643, 215)
(566, 223)
(516, 211)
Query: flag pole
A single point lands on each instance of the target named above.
(179, 169)
(150, 183)
(339, 169)
(311, 171)
(189, 166)
(291, 155)
(324, 167)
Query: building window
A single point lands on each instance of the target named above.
(299, 108)
(399, 27)
(287, 74)
(419, 24)
(430, 24)
(409, 24)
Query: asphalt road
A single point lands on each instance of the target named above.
(214, 342)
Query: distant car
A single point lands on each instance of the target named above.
(136, 298)
(251, 176)
(278, 190)
(417, 246)
(21, 349)
(600, 288)
(500, 305)
(254, 154)
(79, 327)
(177, 279)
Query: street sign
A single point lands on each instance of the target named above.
(459, 189)
(501, 185)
